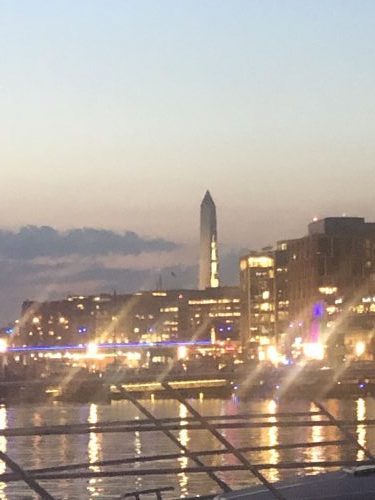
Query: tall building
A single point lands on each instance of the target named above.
(257, 282)
(209, 260)
(281, 288)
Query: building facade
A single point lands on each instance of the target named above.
(150, 316)
(330, 280)
(214, 313)
(258, 318)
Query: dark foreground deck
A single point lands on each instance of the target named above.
(332, 485)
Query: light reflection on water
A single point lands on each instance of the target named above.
(184, 439)
(138, 453)
(361, 429)
(273, 440)
(36, 441)
(315, 454)
(94, 451)
(31, 452)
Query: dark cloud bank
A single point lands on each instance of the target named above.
(32, 241)
(41, 263)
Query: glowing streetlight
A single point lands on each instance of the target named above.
(272, 354)
(3, 346)
(314, 350)
(359, 349)
(182, 352)
(92, 350)
(3, 358)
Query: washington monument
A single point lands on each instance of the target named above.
(209, 261)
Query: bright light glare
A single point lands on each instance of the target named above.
(272, 354)
(360, 348)
(313, 350)
(134, 356)
(92, 349)
(3, 345)
(182, 352)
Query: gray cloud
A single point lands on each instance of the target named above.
(33, 241)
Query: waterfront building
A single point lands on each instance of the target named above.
(73, 320)
(330, 281)
(105, 318)
(257, 284)
(147, 316)
(209, 260)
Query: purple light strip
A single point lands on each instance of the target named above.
(109, 346)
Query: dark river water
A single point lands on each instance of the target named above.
(46, 451)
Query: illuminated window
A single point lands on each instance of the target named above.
(266, 306)
(328, 290)
(262, 261)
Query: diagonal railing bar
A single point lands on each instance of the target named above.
(30, 481)
(346, 433)
(174, 439)
(240, 457)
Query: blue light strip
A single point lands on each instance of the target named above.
(108, 346)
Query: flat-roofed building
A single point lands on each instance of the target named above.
(329, 273)
(336, 259)
(257, 283)
(147, 316)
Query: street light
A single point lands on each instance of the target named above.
(360, 348)
(313, 350)
(3, 350)
(3, 346)
(92, 350)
